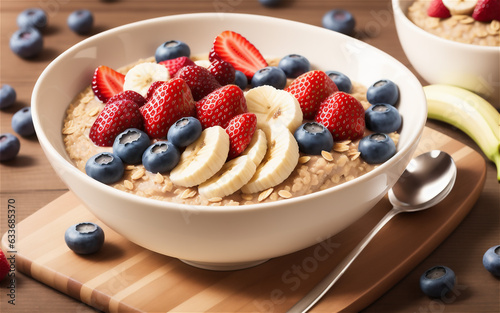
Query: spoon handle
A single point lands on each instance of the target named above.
(313, 296)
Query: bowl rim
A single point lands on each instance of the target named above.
(398, 13)
(165, 205)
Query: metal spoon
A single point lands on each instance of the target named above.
(426, 181)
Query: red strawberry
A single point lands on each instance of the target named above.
(174, 65)
(310, 89)
(240, 130)
(4, 265)
(343, 116)
(171, 101)
(107, 82)
(152, 89)
(116, 117)
(128, 95)
(438, 9)
(218, 107)
(222, 71)
(237, 50)
(487, 10)
(199, 80)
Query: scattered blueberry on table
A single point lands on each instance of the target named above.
(313, 138)
(339, 20)
(84, 238)
(7, 96)
(437, 281)
(81, 21)
(376, 148)
(32, 17)
(22, 122)
(172, 49)
(105, 167)
(294, 65)
(491, 260)
(9, 146)
(26, 42)
(270, 75)
(383, 91)
(270, 3)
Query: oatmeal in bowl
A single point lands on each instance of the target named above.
(246, 184)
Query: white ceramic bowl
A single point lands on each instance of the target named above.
(238, 236)
(440, 60)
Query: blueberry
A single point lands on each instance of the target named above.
(9, 146)
(84, 238)
(184, 132)
(313, 138)
(341, 80)
(33, 17)
(130, 145)
(7, 96)
(491, 260)
(383, 91)
(81, 21)
(339, 20)
(240, 80)
(172, 49)
(105, 167)
(26, 43)
(22, 122)
(376, 148)
(160, 157)
(437, 281)
(270, 3)
(271, 75)
(294, 65)
(382, 118)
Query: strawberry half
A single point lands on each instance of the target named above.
(199, 80)
(170, 102)
(152, 89)
(4, 265)
(231, 47)
(487, 10)
(438, 9)
(218, 107)
(310, 89)
(107, 82)
(174, 65)
(240, 130)
(116, 117)
(343, 115)
(223, 72)
(128, 95)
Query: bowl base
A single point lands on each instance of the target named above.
(224, 266)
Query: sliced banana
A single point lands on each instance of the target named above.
(202, 63)
(202, 159)
(274, 106)
(231, 177)
(143, 75)
(257, 147)
(460, 7)
(279, 162)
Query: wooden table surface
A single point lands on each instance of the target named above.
(31, 183)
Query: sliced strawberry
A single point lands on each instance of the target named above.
(152, 89)
(231, 47)
(116, 117)
(240, 130)
(128, 95)
(199, 80)
(223, 72)
(343, 115)
(174, 65)
(107, 82)
(438, 9)
(170, 102)
(310, 89)
(4, 265)
(487, 10)
(218, 107)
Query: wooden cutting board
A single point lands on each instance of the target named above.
(126, 277)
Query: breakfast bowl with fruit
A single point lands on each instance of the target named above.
(223, 147)
(453, 42)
